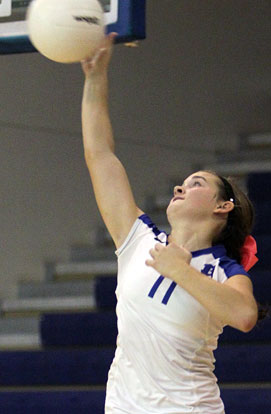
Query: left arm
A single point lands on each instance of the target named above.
(231, 302)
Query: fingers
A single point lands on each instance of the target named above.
(100, 59)
(111, 38)
(97, 56)
(106, 44)
(157, 248)
(91, 61)
(149, 262)
(154, 253)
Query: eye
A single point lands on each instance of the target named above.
(196, 184)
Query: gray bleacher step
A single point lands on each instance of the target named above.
(19, 341)
(239, 168)
(56, 289)
(92, 268)
(29, 325)
(246, 385)
(86, 253)
(19, 333)
(245, 155)
(53, 388)
(37, 305)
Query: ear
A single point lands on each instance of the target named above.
(224, 207)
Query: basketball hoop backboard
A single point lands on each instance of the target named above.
(126, 17)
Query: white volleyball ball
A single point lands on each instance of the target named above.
(65, 31)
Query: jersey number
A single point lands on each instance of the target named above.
(168, 292)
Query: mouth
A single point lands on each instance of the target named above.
(177, 198)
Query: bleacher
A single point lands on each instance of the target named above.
(57, 339)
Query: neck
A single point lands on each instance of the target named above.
(192, 237)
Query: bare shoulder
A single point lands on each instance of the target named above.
(241, 283)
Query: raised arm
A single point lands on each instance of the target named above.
(109, 179)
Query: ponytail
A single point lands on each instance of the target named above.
(240, 219)
(239, 226)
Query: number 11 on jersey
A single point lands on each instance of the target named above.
(168, 292)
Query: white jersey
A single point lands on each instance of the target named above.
(164, 358)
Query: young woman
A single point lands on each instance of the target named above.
(175, 293)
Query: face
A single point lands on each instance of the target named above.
(197, 196)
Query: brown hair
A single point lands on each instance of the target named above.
(240, 219)
(239, 225)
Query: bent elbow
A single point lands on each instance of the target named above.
(247, 327)
(249, 322)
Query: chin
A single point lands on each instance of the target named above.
(173, 214)
(170, 210)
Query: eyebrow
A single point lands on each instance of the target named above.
(199, 176)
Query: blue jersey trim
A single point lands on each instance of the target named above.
(230, 266)
(217, 251)
(146, 219)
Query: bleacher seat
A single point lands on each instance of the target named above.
(235, 363)
(237, 401)
(79, 329)
(243, 363)
(52, 402)
(59, 367)
(261, 280)
(263, 244)
(261, 333)
(258, 184)
(105, 292)
(262, 223)
(251, 400)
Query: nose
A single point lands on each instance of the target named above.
(178, 189)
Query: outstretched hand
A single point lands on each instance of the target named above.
(98, 63)
(168, 260)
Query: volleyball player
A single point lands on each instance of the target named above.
(175, 292)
